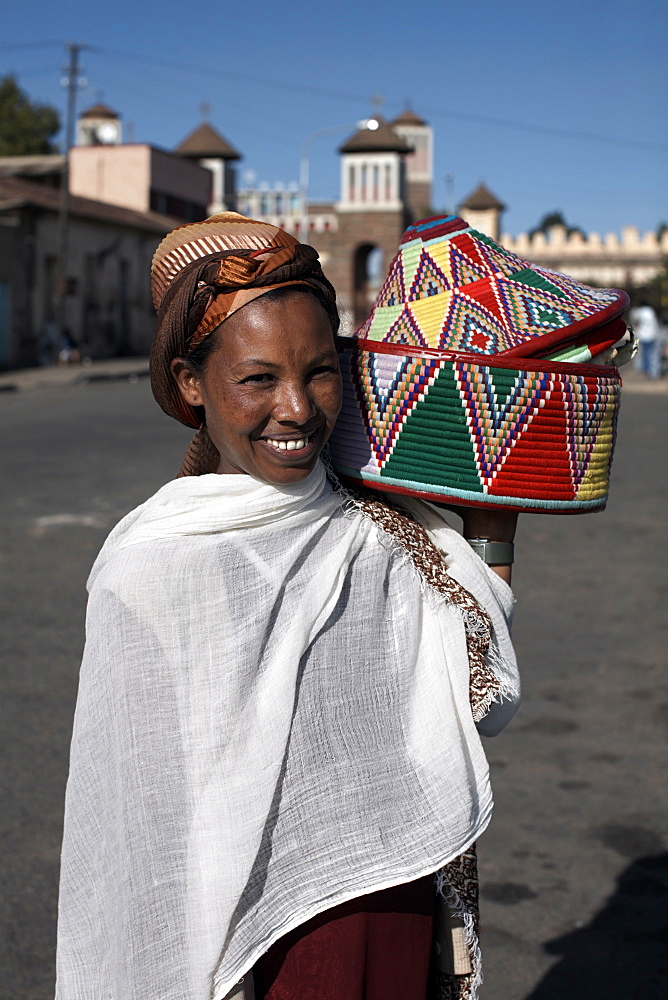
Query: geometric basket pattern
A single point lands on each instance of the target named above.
(451, 390)
(452, 288)
(441, 426)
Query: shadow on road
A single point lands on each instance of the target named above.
(623, 952)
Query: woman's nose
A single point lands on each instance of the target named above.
(294, 404)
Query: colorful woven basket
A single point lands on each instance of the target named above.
(470, 380)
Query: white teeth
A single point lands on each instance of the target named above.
(288, 445)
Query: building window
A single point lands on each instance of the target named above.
(351, 182)
(180, 208)
(376, 177)
(388, 182)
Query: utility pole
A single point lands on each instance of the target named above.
(71, 82)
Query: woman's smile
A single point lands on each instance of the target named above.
(303, 444)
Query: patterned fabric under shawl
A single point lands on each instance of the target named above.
(456, 970)
(482, 379)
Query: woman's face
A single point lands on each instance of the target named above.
(271, 390)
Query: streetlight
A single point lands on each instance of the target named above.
(304, 163)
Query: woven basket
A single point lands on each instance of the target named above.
(499, 428)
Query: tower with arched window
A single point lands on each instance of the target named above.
(212, 150)
(373, 170)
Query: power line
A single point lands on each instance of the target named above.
(340, 95)
(229, 75)
(43, 71)
(553, 130)
(32, 45)
(547, 129)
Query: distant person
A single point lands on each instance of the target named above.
(69, 352)
(48, 343)
(648, 331)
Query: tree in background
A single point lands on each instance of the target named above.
(26, 127)
(554, 219)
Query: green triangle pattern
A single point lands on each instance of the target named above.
(433, 448)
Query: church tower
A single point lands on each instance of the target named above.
(99, 126)
(482, 210)
(210, 149)
(373, 173)
(417, 134)
(371, 216)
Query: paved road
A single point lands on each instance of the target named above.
(574, 867)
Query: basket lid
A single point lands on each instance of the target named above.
(452, 288)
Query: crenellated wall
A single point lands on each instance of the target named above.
(630, 259)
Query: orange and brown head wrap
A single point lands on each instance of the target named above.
(201, 274)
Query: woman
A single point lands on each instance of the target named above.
(275, 744)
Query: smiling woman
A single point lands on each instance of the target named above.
(277, 778)
(270, 386)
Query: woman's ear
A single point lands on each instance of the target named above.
(188, 383)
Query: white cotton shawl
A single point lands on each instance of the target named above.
(273, 717)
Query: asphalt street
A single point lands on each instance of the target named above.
(574, 868)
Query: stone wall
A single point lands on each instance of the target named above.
(630, 260)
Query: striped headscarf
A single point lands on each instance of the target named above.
(201, 274)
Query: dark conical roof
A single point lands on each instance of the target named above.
(482, 198)
(408, 117)
(100, 110)
(381, 140)
(206, 141)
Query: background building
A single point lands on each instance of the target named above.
(385, 184)
(482, 210)
(629, 261)
(126, 196)
(212, 151)
(107, 305)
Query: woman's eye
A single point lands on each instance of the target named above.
(325, 370)
(260, 377)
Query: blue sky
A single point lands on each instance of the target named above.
(476, 70)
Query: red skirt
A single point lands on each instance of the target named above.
(376, 947)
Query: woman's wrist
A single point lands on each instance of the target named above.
(490, 525)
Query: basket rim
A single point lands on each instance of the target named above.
(566, 334)
(541, 365)
(454, 498)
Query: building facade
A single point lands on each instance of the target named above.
(125, 196)
(211, 150)
(629, 260)
(383, 180)
(107, 305)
